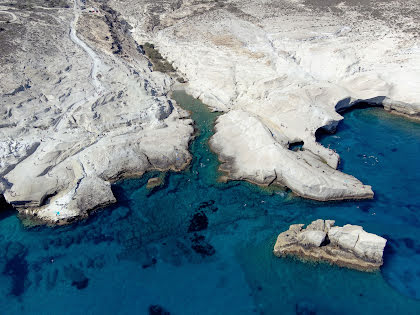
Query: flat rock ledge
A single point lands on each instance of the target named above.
(347, 246)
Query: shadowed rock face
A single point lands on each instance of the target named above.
(348, 246)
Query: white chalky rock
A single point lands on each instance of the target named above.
(280, 70)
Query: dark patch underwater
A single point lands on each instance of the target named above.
(197, 246)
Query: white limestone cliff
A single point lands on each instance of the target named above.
(280, 70)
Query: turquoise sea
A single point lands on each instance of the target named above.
(197, 246)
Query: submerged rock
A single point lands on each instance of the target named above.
(202, 247)
(157, 310)
(154, 182)
(198, 222)
(76, 276)
(347, 246)
(305, 308)
(14, 264)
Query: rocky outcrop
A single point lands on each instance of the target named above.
(280, 70)
(348, 246)
(76, 115)
(81, 103)
(154, 182)
(243, 142)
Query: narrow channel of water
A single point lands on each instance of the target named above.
(196, 246)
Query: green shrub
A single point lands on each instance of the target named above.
(159, 63)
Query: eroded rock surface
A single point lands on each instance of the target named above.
(348, 246)
(280, 70)
(80, 108)
(81, 103)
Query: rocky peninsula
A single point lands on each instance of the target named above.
(85, 89)
(282, 70)
(347, 246)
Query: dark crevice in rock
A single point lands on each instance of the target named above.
(296, 146)
(19, 89)
(359, 105)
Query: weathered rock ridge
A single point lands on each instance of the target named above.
(348, 246)
(80, 108)
(280, 70)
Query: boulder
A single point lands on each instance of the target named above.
(311, 237)
(362, 243)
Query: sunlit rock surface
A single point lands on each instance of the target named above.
(281, 70)
(80, 102)
(347, 246)
(77, 113)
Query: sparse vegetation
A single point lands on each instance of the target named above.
(159, 63)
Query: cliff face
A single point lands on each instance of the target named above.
(348, 246)
(280, 70)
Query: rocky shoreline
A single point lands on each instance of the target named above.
(348, 246)
(279, 72)
(99, 116)
(280, 77)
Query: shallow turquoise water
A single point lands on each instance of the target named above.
(196, 246)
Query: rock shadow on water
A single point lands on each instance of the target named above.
(6, 210)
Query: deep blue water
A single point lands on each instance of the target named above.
(196, 246)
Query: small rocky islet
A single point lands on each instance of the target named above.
(348, 246)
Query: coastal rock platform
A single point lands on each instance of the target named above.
(347, 246)
(85, 100)
(280, 71)
(81, 108)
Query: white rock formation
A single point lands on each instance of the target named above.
(354, 238)
(80, 105)
(280, 69)
(75, 116)
(348, 246)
